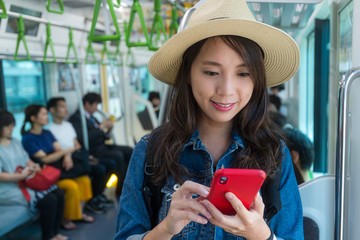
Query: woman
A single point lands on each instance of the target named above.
(220, 67)
(42, 146)
(50, 203)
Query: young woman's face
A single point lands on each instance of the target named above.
(220, 82)
(7, 131)
(41, 118)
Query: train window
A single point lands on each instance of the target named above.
(24, 85)
(93, 83)
(31, 27)
(113, 80)
(345, 31)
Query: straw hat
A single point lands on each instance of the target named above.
(228, 17)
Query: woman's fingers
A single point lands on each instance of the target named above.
(189, 188)
(236, 204)
(258, 205)
(194, 206)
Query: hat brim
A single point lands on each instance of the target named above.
(281, 53)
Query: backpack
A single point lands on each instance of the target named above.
(153, 196)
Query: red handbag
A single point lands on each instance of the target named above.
(42, 180)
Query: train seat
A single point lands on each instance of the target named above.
(318, 203)
(137, 127)
(13, 216)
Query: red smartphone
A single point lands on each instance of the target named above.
(244, 183)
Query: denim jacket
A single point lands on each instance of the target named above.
(133, 220)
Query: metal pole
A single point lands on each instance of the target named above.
(42, 20)
(81, 108)
(342, 149)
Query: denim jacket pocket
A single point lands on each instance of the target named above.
(170, 187)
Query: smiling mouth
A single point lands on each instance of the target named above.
(223, 106)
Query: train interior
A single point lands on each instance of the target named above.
(69, 48)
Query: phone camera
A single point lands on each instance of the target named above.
(223, 180)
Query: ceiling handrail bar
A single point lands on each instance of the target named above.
(3, 9)
(44, 21)
(71, 45)
(90, 51)
(48, 43)
(21, 36)
(174, 20)
(158, 24)
(136, 8)
(343, 145)
(61, 6)
(94, 21)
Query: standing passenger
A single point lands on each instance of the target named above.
(220, 67)
(49, 202)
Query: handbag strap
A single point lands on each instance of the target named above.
(21, 185)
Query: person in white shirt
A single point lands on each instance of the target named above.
(66, 135)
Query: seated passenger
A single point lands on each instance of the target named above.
(50, 203)
(154, 98)
(98, 133)
(65, 134)
(302, 153)
(42, 146)
(274, 111)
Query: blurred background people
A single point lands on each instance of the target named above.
(98, 133)
(50, 202)
(302, 153)
(65, 134)
(42, 147)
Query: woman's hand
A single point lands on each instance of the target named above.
(184, 208)
(67, 163)
(25, 173)
(246, 223)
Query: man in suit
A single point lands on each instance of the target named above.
(98, 133)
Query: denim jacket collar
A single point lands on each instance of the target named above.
(195, 141)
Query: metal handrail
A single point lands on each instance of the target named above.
(342, 149)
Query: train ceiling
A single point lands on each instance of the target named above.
(291, 16)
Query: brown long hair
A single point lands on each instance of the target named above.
(262, 143)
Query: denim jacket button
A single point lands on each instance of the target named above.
(176, 186)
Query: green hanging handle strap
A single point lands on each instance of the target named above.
(117, 5)
(90, 51)
(117, 57)
(3, 8)
(21, 36)
(71, 45)
(158, 24)
(130, 59)
(61, 6)
(136, 8)
(174, 20)
(97, 7)
(104, 53)
(47, 44)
